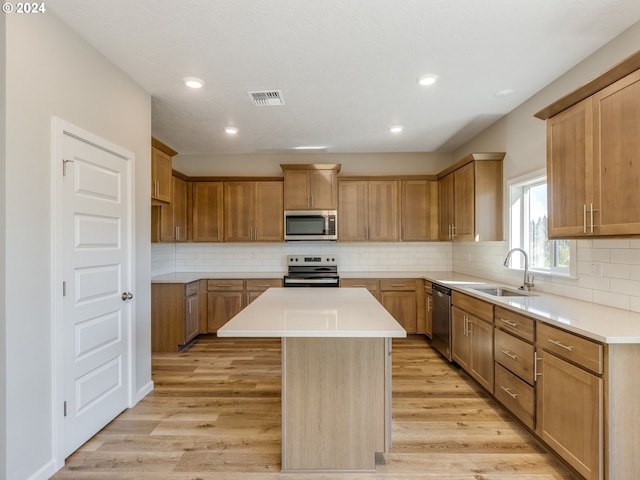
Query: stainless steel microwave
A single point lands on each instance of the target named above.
(310, 225)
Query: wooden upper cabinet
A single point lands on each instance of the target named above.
(470, 199)
(161, 172)
(383, 211)
(169, 222)
(617, 158)
(593, 156)
(312, 187)
(418, 210)
(368, 210)
(353, 211)
(207, 211)
(179, 207)
(253, 211)
(569, 155)
(446, 203)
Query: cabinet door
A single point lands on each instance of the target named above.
(222, 307)
(161, 174)
(353, 211)
(269, 212)
(402, 306)
(429, 314)
(383, 211)
(569, 413)
(464, 203)
(569, 176)
(296, 190)
(481, 364)
(323, 189)
(207, 211)
(445, 197)
(191, 318)
(179, 210)
(460, 340)
(238, 211)
(418, 210)
(617, 162)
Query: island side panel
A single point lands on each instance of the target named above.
(333, 403)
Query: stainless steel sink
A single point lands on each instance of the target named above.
(503, 292)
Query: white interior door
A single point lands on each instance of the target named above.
(97, 271)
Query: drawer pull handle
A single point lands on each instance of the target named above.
(397, 285)
(511, 324)
(566, 347)
(263, 285)
(357, 285)
(509, 354)
(514, 395)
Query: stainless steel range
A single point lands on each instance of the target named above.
(312, 271)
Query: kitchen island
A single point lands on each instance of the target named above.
(336, 373)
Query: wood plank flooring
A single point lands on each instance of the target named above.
(215, 414)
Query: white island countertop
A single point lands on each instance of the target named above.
(313, 312)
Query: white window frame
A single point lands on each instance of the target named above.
(518, 226)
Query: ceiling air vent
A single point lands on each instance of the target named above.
(267, 98)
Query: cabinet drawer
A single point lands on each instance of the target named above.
(225, 285)
(515, 354)
(428, 288)
(516, 395)
(261, 284)
(578, 350)
(191, 288)
(404, 284)
(472, 305)
(370, 284)
(518, 325)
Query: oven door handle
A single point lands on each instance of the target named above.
(308, 280)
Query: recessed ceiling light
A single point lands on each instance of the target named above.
(504, 93)
(193, 82)
(429, 79)
(396, 129)
(231, 130)
(310, 147)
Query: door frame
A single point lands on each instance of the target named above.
(59, 128)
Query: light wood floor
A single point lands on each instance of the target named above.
(215, 414)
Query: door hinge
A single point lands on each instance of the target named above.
(64, 289)
(65, 408)
(64, 166)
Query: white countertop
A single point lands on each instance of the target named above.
(313, 312)
(598, 322)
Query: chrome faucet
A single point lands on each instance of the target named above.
(527, 282)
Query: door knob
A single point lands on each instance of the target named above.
(126, 296)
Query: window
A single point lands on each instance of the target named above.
(528, 229)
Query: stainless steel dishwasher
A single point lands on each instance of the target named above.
(441, 321)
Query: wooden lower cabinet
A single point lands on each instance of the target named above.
(404, 298)
(225, 299)
(257, 286)
(569, 413)
(472, 338)
(428, 309)
(174, 315)
(398, 296)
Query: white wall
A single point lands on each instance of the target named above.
(3, 273)
(608, 270)
(51, 71)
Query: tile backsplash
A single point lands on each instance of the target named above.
(271, 257)
(608, 271)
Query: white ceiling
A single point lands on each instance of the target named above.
(347, 68)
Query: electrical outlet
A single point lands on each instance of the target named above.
(596, 269)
